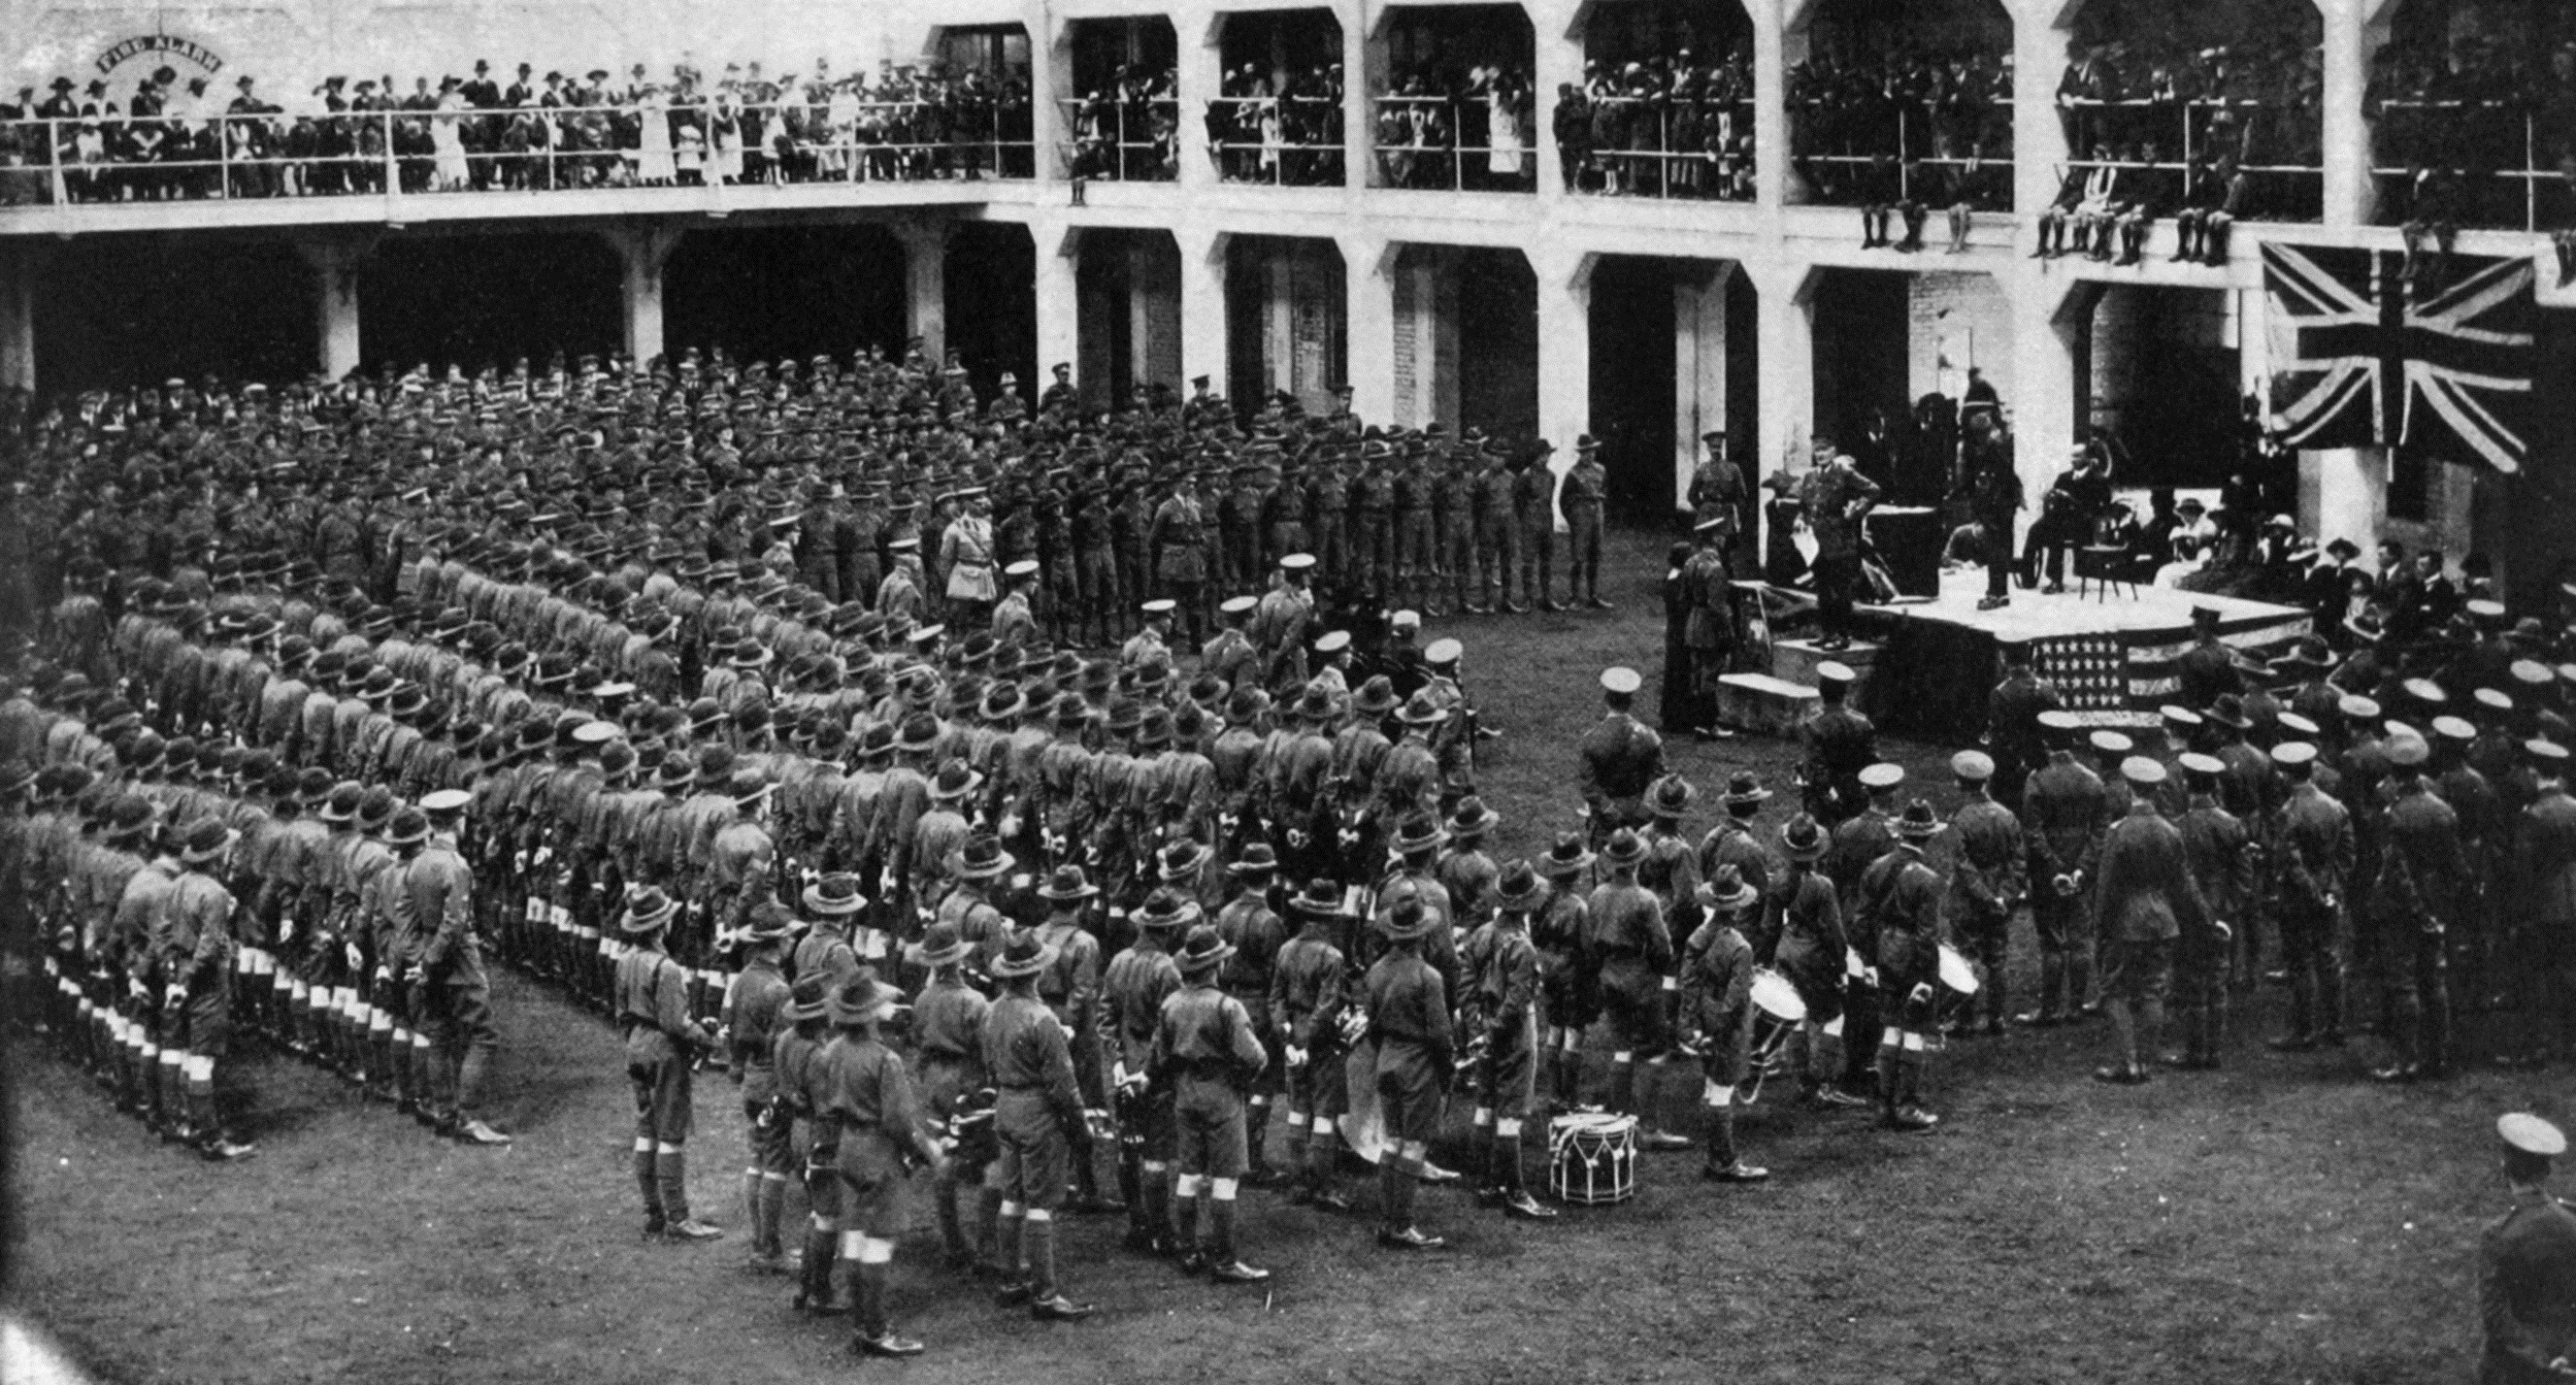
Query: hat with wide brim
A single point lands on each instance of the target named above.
(834, 904)
(942, 946)
(1027, 955)
(648, 911)
(863, 1000)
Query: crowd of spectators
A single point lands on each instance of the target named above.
(170, 140)
(2164, 106)
(1468, 129)
(1127, 130)
(2478, 134)
(1905, 131)
(1662, 127)
(1287, 133)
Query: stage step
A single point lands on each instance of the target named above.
(1760, 702)
(1795, 661)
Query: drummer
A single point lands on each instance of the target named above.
(1807, 920)
(1717, 1008)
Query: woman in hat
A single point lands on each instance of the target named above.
(1038, 1108)
(869, 1102)
(1809, 948)
(1408, 1018)
(1205, 1054)
(662, 1042)
(1717, 1009)
(947, 1033)
(1502, 1002)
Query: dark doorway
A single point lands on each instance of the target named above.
(2164, 385)
(1633, 389)
(473, 301)
(1102, 285)
(1861, 338)
(1497, 343)
(785, 292)
(992, 306)
(118, 311)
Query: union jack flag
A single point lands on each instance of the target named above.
(2357, 363)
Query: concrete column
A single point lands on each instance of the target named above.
(1564, 351)
(1772, 177)
(1203, 324)
(1363, 66)
(2039, 138)
(2051, 317)
(1559, 28)
(643, 250)
(1279, 321)
(925, 284)
(1699, 368)
(1786, 327)
(1201, 80)
(20, 264)
(1368, 283)
(1059, 307)
(1437, 338)
(2351, 37)
(1050, 82)
(336, 265)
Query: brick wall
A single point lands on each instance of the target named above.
(1969, 313)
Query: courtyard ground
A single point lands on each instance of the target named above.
(2283, 1220)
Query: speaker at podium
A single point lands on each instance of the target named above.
(1908, 539)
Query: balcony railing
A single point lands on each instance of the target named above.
(1917, 158)
(68, 160)
(1415, 140)
(1122, 141)
(1280, 141)
(2251, 133)
(1703, 151)
(2532, 197)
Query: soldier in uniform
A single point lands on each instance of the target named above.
(2527, 1266)
(1534, 511)
(1985, 880)
(1617, 760)
(1717, 1009)
(1836, 496)
(1176, 542)
(1037, 1107)
(1453, 505)
(1205, 1053)
(878, 1133)
(1071, 987)
(947, 1032)
(1408, 1018)
(1394, 543)
(1306, 1005)
(1709, 630)
(1840, 743)
(1900, 910)
(662, 1042)
(2544, 855)
(753, 1021)
(2312, 868)
(1255, 933)
(197, 982)
(1139, 978)
(1498, 530)
(2062, 812)
(1014, 624)
(1499, 1014)
(1231, 655)
(2144, 899)
(434, 906)
(2221, 854)
(1581, 499)
(1630, 948)
(2013, 732)
(2422, 872)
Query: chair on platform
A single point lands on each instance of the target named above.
(2107, 566)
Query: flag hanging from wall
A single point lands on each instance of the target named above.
(2357, 362)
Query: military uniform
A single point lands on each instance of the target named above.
(1585, 493)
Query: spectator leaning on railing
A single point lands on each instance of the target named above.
(1291, 136)
(462, 134)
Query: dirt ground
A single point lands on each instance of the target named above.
(2284, 1220)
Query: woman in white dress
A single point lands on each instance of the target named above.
(726, 128)
(447, 137)
(1505, 104)
(653, 163)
